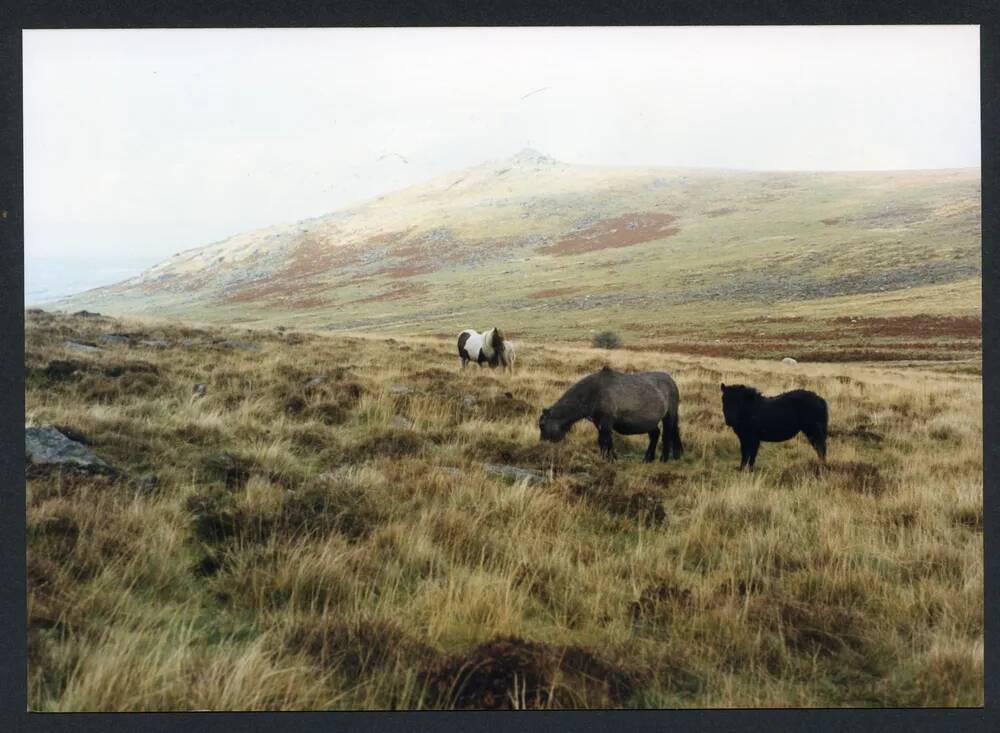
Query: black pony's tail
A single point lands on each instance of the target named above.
(818, 428)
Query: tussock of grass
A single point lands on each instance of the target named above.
(321, 534)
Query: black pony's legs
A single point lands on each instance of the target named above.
(816, 435)
(748, 452)
(606, 443)
(654, 435)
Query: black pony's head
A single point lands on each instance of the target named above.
(736, 398)
(551, 428)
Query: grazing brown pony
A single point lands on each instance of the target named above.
(629, 404)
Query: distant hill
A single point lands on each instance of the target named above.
(542, 246)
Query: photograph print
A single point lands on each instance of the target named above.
(387, 369)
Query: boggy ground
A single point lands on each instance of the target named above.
(317, 531)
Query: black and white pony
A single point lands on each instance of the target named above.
(489, 347)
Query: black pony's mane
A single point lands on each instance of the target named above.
(744, 390)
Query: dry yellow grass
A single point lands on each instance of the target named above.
(304, 548)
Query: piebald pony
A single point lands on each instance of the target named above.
(489, 347)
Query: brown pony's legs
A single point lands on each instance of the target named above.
(654, 436)
(606, 442)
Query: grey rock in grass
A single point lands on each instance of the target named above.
(789, 360)
(82, 348)
(155, 343)
(147, 482)
(113, 338)
(200, 390)
(399, 389)
(401, 422)
(469, 401)
(317, 381)
(46, 446)
(61, 369)
(513, 472)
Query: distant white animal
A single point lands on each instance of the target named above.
(788, 360)
(508, 355)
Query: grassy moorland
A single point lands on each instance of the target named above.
(317, 530)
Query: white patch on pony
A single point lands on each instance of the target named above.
(474, 344)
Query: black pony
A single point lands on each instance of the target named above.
(754, 417)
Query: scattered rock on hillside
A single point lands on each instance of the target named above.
(316, 381)
(788, 360)
(155, 343)
(46, 446)
(82, 348)
(87, 314)
(189, 342)
(113, 338)
(469, 401)
(513, 472)
(245, 345)
(399, 389)
(200, 390)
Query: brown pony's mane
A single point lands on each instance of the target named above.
(496, 343)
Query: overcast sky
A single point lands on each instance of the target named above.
(142, 143)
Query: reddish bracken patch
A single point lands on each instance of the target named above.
(406, 270)
(390, 237)
(772, 319)
(315, 254)
(622, 231)
(552, 292)
(970, 327)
